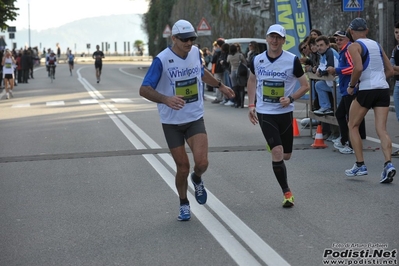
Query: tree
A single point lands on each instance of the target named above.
(9, 13)
(138, 44)
(154, 22)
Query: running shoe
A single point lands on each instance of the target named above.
(338, 145)
(324, 111)
(346, 150)
(356, 170)
(200, 192)
(229, 103)
(288, 201)
(216, 101)
(184, 213)
(11, 95)
(7, 95)
(332, 138)
(388, 173)
(337, 140)
(395, 153)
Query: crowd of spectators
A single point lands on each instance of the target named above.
(25, 60)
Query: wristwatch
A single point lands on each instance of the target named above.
(219, 84)
(291, 99)
(352, 86)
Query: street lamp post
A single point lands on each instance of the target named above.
(29, 21)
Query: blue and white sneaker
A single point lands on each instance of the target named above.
(357, 171)
(200, 192)
(184, 213)
(388, 173)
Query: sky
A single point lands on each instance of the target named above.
(45, 14)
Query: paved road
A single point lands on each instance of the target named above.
(86, 179)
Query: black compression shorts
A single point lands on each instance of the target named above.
(277, 130)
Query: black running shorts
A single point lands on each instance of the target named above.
(177, 134)
(277, 130)
(373, 98)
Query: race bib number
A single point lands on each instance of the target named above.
(8, 65)
(188, 89)
(272, 91)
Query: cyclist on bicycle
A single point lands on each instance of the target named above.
(51, 61)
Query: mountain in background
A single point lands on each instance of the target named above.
(76, 35)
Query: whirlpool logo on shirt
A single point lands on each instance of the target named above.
(271, 73)
(185, 72)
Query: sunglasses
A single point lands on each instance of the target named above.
(303, 48)
(192, 39)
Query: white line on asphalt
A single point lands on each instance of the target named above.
(379, 141)
(55, 103)
(121, 100)
(89, 88)
(88, 101)
(124, 72)
(20, 105)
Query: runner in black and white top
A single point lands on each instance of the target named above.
(98, 63)
(274, 74)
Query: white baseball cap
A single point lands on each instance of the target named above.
(183, 29)
(276, 28)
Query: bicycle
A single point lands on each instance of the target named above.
(51, 72)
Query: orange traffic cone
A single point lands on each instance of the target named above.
(295, 127)
(318, 140)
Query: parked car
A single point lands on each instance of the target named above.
(244, 42)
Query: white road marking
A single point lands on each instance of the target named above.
(121, 100)
(55, 103)
(88, 101)
(20, 105)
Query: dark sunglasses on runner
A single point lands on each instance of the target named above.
(192, 39)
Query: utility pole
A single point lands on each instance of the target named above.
(29, 21)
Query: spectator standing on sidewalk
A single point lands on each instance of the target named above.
(395, 63)
(370, 77)
(226, 72)
(344, 71)
(234, 59)
(178, 94)
(328, 58)
(218, 72)
(272, 80)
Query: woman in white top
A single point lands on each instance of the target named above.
(8, 64)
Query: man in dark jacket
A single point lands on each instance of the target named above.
(25, 63)
(218, 74)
